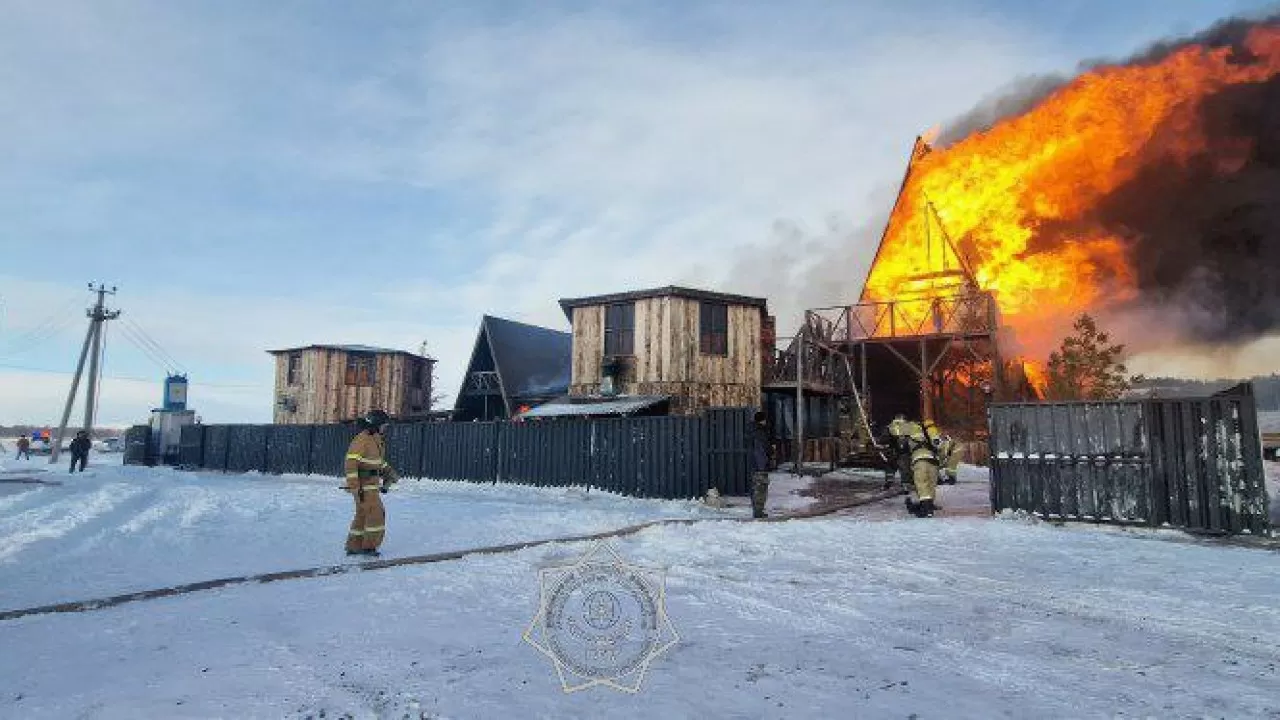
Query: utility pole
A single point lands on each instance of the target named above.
(98, 315)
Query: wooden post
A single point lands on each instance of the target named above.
(926, 397)
(800, 399)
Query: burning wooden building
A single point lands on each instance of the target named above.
(923, 344)
(1142, 192)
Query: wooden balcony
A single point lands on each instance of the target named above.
(968, 314)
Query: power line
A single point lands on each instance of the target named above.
(41, 331)
(50, 320)
(136, 339)
(164, 354)
(150, 354)
(149, 381)
(34, 340)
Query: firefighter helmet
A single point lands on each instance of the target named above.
(375, 419)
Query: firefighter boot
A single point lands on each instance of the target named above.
(759, 494)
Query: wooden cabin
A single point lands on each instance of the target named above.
(699, 348)
(320, 384)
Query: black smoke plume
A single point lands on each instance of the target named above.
(1203, 232)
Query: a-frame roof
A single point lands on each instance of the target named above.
(531, 361)
(944, 257)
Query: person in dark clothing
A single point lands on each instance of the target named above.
(24, 448)
(80, 450)
(760, 443)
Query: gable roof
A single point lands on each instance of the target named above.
(352, 349)
(532, 362)
(568, 304)
(937, 246)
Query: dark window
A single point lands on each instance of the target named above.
(713, 329)
(619, 329)
(295, 369)
(360, 369)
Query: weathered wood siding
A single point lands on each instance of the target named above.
(668, 358)
(588, 348)
(322, 395)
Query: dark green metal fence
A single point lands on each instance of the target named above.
(659, 457)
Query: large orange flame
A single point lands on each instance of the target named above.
(1014, 201)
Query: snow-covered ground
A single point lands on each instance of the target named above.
(120, 529)
(953, 617)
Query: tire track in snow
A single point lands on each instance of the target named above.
(60, 518)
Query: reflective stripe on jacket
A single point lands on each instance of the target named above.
(365, 461)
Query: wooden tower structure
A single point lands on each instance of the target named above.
(929, 351)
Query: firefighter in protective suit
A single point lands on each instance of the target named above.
(897, 444)
(368, 476)
(919, 440)
(949, 459)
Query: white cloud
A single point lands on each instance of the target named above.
(611, 159)
(616, 161)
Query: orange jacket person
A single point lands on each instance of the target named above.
(368, 475)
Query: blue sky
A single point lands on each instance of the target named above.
(259, 175)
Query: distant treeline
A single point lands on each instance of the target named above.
(1266, 388)
(13, 431)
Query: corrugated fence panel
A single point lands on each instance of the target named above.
(405, 446)
(728, 445)
(248, 448)
(1193, 463)
(551, 454)
(460, 451)
(647, 438)
(329, 447)
(1255, 503)
(1212, 454)
(191, 446)
(1230, 467)
(289, 449)
(216, 445)
(607, 455)
(662, 457)
(137, 441)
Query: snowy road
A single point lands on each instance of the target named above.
(840, 617)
